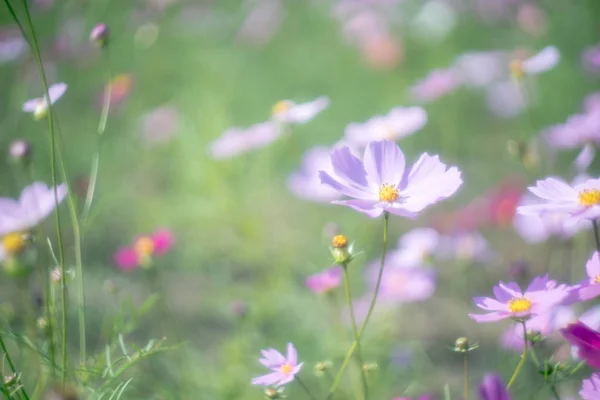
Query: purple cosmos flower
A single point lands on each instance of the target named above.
(542, 295)
(492, 388)
(416, 247)
(580, 201)
(398, 123)
(577, 131)
(537, 228)
(590, 288)
(292, 113)
(590, 388)
(591, 318)
(326, 280)
(591, 59)
(34, 205)
(39, 106)
(381, 182)
(305, 183)
(235, 141)
(543, 61)
(438, 83)
(284, 368)
(464, 246)
(586, 339)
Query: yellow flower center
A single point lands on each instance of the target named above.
(516, 69)
(144, 246)
(281, 106)
(339, 242)
(596, 279)
(519, 305)
(13, 243)
(388, 193)
(589, 197)
(41, 109)
(286, 369)
(390, 133)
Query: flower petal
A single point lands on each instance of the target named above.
(384, 163)
(364, 206)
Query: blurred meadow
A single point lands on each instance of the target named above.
(185, 71)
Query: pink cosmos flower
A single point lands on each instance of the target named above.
(586, 339)
(382, 183)
(416, 247)
(236, 141)
(39, 106)
(143, 249)
(591, 59)
(492, 388)
(541, 62)
(464, 246)
(438, 83)
(579, 130)
(325, 281)
(580, 201)
(590, 388)
(289, 112)
(481, 68)
(590, 288)
(542, 295)
(305, 183)
(398, 123)
(284, 369)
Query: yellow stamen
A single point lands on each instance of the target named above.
(388, 193)
(13, 243)
(286, 369)
(339, 242)
(519, 305)
(281, 107)
(516, 69)
(144, 246)
(597, 279)
(589, 197)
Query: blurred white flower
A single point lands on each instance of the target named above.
(39, 106)
(289, 112)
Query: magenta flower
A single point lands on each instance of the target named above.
(492, 388)
(438, 83)
(590, 388)
(398, 123)
(305, 183)
(542, 295)
(284, 369)
(236, 141)
(324, 281)
(381, 182)
(580, 201)
(587, 341)
(144, 249)
(591, 318)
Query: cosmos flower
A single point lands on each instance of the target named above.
(587, 341)
(481, 68)
(381, 182)
(160, 124)
(590, 388)
(492, 388)
(464, 246)
(541, 62)
(39, 106)
(305, 182)
(591, 59)
(289, 112)
(438, 83)
(325, 281)
(416, 247)
(510, 302)
(12, 44)
(398, 123)
(580, 201)
(590, 288)
(505, 99)
(35, 204)
(236, 141)
(284, 369)
(143, 249)
(579, 130)
(591, 318)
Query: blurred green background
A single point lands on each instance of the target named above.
(242, 239)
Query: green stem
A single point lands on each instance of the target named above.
(305, 388)
(11, 365)
(596, 234)
(577, 368)
(359, 357)
(523, 358)
(466, 390)
(354, 346)
(38, 58)
(554, 392)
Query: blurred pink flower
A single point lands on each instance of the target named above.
(506, 100)
(577, 131)
(532, 19)
(591, 59)
(144, 249)
(587, 341)
(326, 280)
(543, 61)
(262, 22)
(160, 124)
(12, 44)
(592, 103)
(382, 52)
(236, 141)
(399, 122)
(305, 182)
(481, 68)
(289, 112)
(121, 87)
(438, 83)
(464, 246)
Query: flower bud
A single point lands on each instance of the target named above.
(20, 151)
(321, 367)
(272, 393)
(340, 250)
(462, 345)
(100, 35)
(42, 323)
(368, 367)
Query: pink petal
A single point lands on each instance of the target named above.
(126, 259)
(163, 240)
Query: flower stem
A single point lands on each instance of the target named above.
(12, 365)
(359, 357)
(305, 388)
(466, 394)
(577, 368)
(355, 344)
(36, 51)
(554, 392)
(523, 357)
(596, 234)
